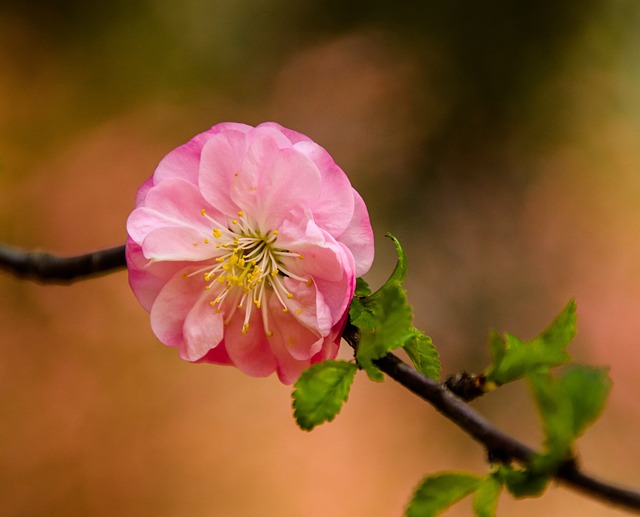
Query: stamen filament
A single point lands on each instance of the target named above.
(248, 269)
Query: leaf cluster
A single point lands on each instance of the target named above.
(385, 323)
(568, 401)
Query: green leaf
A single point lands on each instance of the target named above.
(423, 355)
(557, 419)
(522, 482)
(568, 405)
(588, 389)
(513, 358)
(320, 392)
(400, 271)
(438, 492)
(392, 328)
(361, 313)
(362, 288)
(485, 500)
(563, 329)
(385, 321)
(497, 348)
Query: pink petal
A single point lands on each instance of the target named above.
(288, 368)
(329, 263)
(250, 352)
(146, 278)
(246, 180)
(217, 355)
(272, 131)
(358, 237)
(202, 330)
(308, 306)
(323, 256)
(175, 243)
(333, 205)
(299, 342)
(293, 136)
(174, 202)
(170, 309)
(331, 344)
(223, 127)
(143, 190)
(274, 181)
(222, 157)
(183, 161)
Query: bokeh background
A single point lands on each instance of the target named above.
(498, 140)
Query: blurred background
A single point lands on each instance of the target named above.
(498, 140)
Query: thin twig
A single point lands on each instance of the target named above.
(46, 268)
(498, 444)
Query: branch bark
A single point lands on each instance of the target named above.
(46, 268)
(498, 443)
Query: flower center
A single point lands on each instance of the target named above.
(249, 265)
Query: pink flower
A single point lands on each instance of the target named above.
(245, 245)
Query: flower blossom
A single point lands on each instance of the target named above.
(244, 246)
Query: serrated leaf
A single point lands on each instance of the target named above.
(514, 358)
(392, 328)
(438, 492)
(423, 355)
(522, 482)
(361, 313)
(485, 500)
(320, 392)
(567, 406)
(362, 288)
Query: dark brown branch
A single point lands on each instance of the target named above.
(473, 423)
(498, 444)
(51, 269)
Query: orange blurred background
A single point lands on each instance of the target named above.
(499, 141)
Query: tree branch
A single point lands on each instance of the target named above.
(498, 444)
(46, 268)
